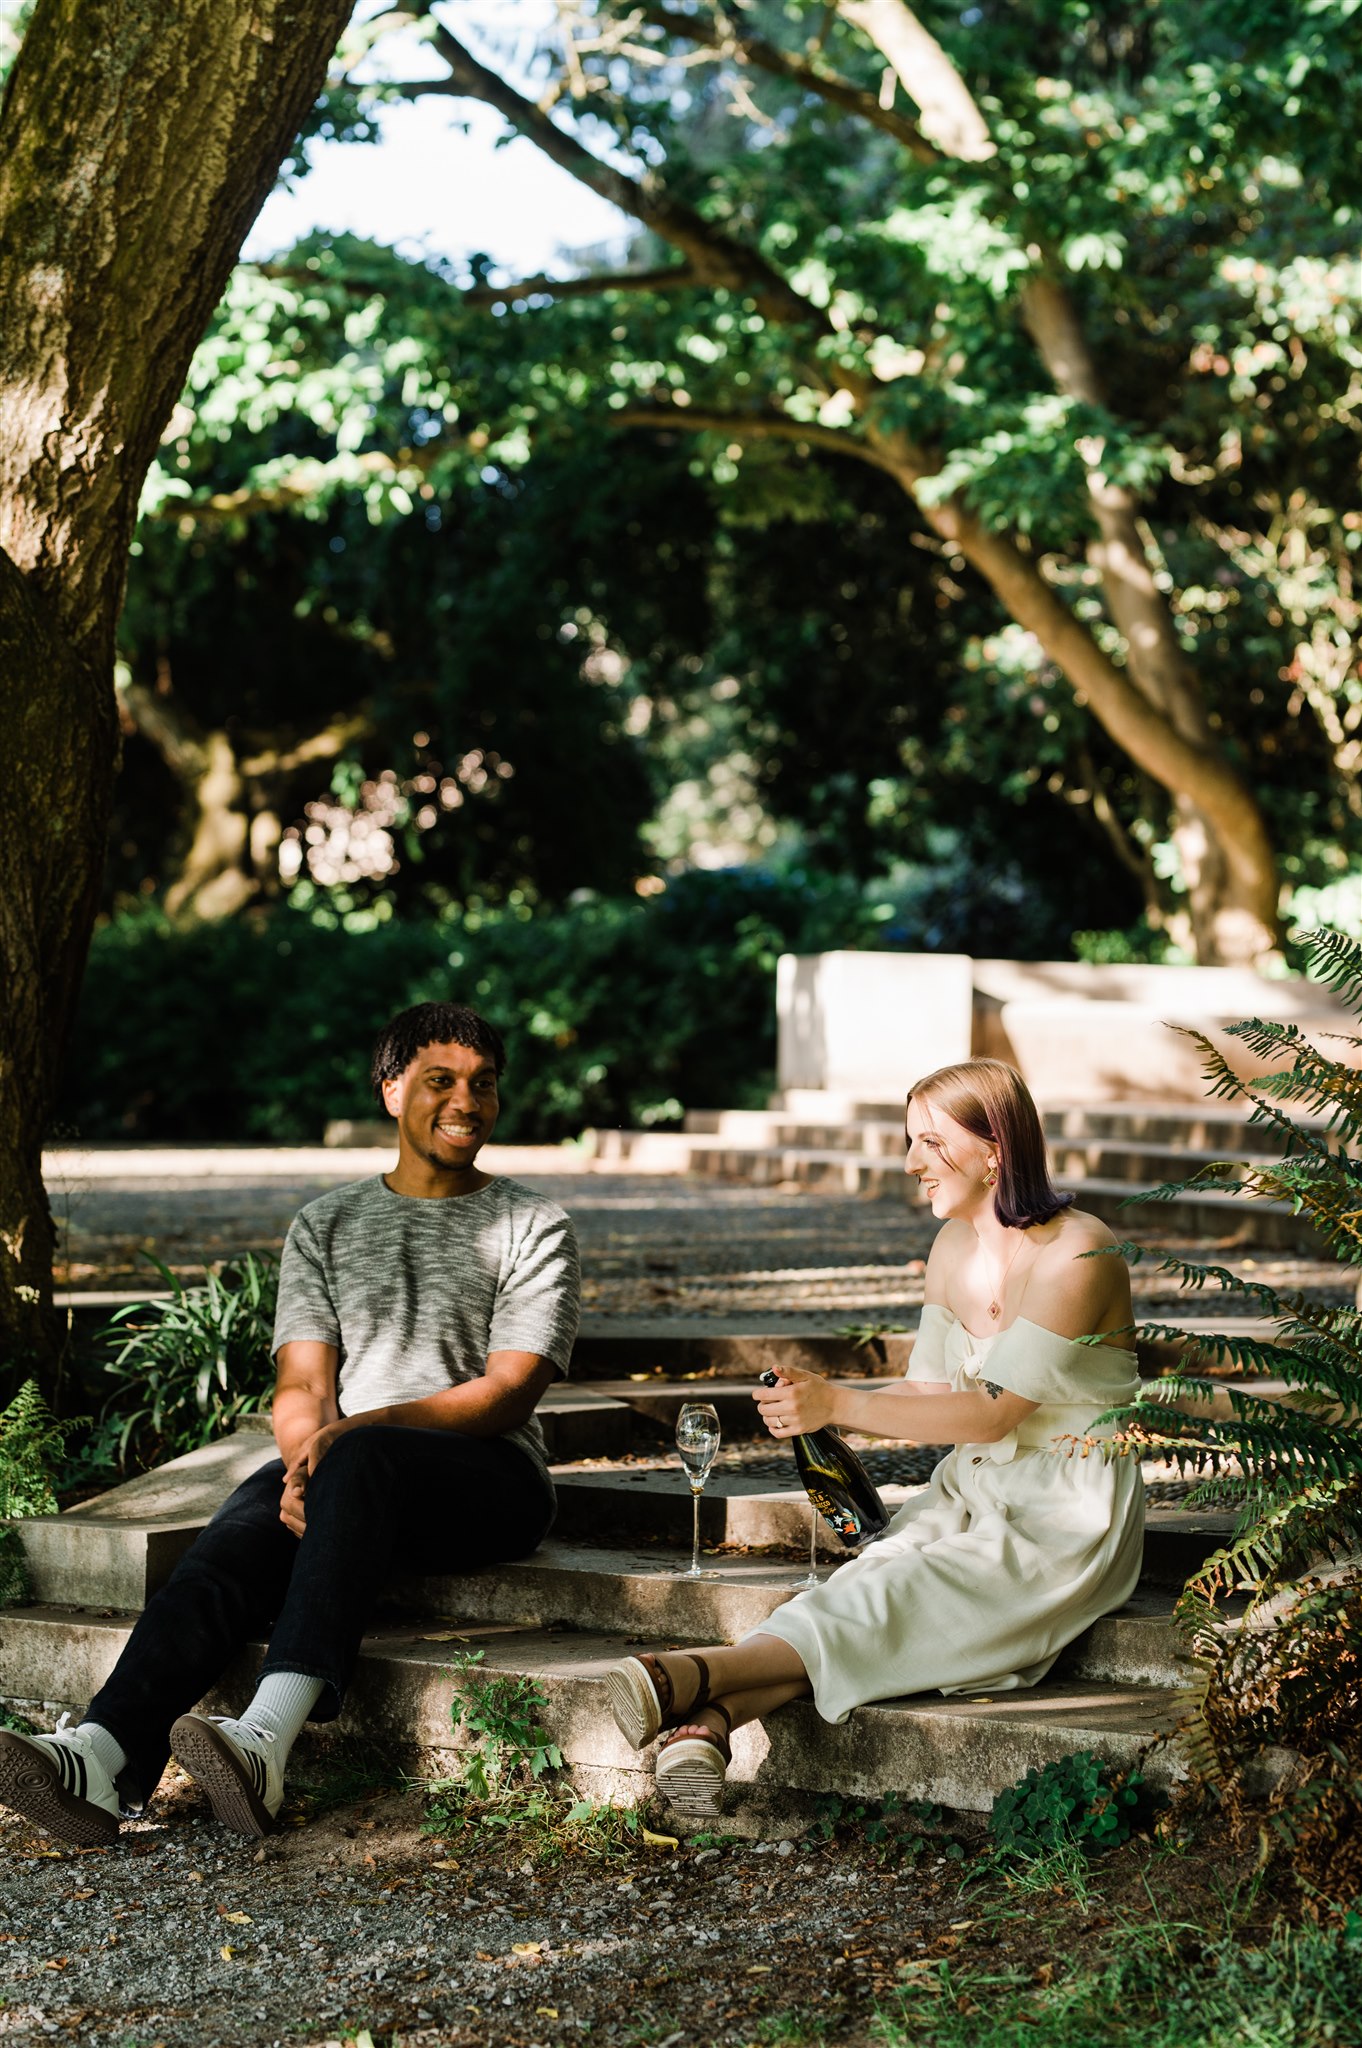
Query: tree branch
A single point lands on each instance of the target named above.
(675, 277)
(950, 115)
(727, 40)
(715, 258)
(754, 426)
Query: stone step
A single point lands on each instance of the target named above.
(645, 1593)
(1217, 1127)
(1078, 1160)
(1206, 1214)
(652, 1503)
(957, 1753)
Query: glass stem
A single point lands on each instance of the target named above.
(695, 1532)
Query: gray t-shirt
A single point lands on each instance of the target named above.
(415, 1292)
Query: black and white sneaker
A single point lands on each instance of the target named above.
(58, 1783)
(238, 1767)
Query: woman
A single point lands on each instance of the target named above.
(1022, 1539)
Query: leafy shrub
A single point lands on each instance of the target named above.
(1075, 1801)
(31, 1445)
(614, 1012)
(187, 1367)
(1289, 1672)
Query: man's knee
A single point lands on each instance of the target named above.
(355, 1455)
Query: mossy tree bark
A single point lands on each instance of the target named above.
(138, 139)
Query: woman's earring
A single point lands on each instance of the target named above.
(991, 1177)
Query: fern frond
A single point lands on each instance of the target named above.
(1222, 1083)
(1330, 1090)
(1251, 1354)
(1335, 962)
(1259, 1552)
(1336, 1212)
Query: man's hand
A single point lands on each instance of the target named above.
(306, 1459)
(291, 1511)
(799, 1403)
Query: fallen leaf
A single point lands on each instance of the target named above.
(653, 1841)
(58, 1963)
(370, 1861)
(1044, 1973)
(449, 1635)
(82, 1895)
(759, 1970)
(484, 1955)
(546, 2012)
(959, 1926)
(237, 1919)
(226, 1952)
(447, 1864)
(526, 1948)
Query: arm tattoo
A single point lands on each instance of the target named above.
(994, 1393)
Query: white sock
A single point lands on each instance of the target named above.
(113, 1757)
(283, 1700)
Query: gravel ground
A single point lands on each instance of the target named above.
(184, 1935)
(669, 1247)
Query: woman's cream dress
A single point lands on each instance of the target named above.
(1010, 1551)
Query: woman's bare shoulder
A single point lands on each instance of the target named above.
(1075, 1232)
(1073, 1284)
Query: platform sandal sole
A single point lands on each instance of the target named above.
(691, 1775)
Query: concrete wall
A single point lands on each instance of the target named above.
(870, 1023)
(866, 1025)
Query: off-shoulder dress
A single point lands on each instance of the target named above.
(1010, 1551)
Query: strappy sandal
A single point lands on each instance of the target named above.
(691, 1769)
(641, 1697)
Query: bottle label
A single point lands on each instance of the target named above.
(843, 1524)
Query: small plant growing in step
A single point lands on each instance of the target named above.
(187, 1366)
(1076, 1801)
(32, 1443)
(507, 1748)
(1288, 1673)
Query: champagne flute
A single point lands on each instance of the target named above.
(811, 1577)
(697, 1441)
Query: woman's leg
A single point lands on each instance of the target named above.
(755, 1666)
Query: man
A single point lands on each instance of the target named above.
(421, 1316)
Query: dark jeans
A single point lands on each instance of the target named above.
(382, 1499)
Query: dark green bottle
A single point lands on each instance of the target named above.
(837, 1483)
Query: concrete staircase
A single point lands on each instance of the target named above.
(1106, 1154)
(610, 1579)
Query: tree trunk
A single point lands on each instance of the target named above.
(1231, 891)
(137, 143)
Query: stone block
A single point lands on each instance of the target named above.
(870, 1024)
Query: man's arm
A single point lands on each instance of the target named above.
(503, 1398)
(304, 1403)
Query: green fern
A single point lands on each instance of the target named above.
(1282, 1668)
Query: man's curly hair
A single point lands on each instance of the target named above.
(432, 1024)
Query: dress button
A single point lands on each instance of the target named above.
(976, 1461)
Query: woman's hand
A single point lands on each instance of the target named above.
(799, 1403)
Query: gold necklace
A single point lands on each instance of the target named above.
(995, 1307)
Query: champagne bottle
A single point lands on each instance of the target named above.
(837, 1483)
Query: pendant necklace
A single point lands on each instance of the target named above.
(995, 1307)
